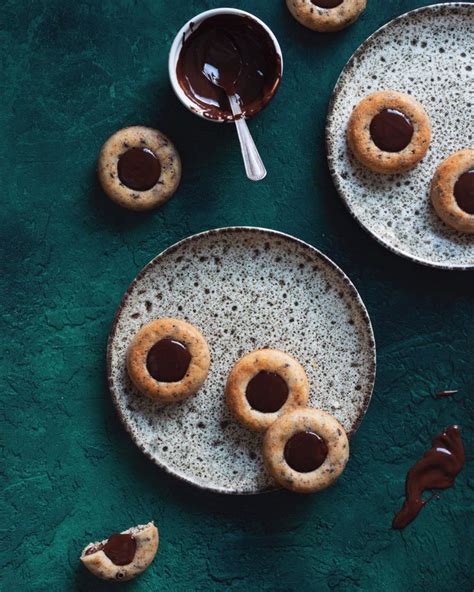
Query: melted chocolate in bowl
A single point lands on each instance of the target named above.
(464, 191)
(437, 469)
(139, 169)
(327, 3)
(305, 452)
(391, 130)
(168, 361)
(267, 392)
(234, 43)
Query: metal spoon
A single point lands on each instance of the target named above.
(222, 67)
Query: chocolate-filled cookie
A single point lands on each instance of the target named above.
(305, 450)
(452, 191)
(122, 556)
(263, 385)
(168, 360)
(326, 16)
(139, 168)
(389, 132)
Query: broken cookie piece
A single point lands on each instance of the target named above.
(122, 556)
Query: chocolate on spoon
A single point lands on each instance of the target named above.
(223, 64)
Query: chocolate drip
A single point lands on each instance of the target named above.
(443, 394)
(437, 469)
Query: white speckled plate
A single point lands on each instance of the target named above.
(245, 288)
(428, 53)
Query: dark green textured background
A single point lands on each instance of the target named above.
(73, 73)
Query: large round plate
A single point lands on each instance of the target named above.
(428, 53)
(245, 288)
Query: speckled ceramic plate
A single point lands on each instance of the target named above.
(428, 53)
(245, 288)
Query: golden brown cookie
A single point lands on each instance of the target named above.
(452, 191)
(305, 450)
(122, 556)
(139, 168)
(263, 385)
(389, 132)
(326, 16)
(168, 360)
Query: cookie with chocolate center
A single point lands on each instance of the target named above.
(326, 16)
(168, 360)
(389, 132)
(139, 168)
(305, 450)
(452, 191)
(263, 385)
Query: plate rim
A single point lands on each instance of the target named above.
(215, 232)
(330, 141)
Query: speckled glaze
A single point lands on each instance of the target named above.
(426, 53)
(244, 288)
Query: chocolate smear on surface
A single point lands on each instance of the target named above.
(437, 469)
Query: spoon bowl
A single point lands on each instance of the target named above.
(223, 63)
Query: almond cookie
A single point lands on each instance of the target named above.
(263, 385)
(452, 191)
(389, 132)
(305, 450)
(168, 360)
(139, 168)
(326, 16)
(122, 556)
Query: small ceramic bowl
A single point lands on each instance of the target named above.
(189, 28)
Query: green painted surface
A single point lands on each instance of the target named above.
(73, 73)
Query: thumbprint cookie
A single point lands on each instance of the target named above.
(305, 450)
(122, 556)
(326, 16)
(139, 168)
(263, 385)
(389, 132)
(452, 191)
(168, 360)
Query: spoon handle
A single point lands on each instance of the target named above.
(254, 166)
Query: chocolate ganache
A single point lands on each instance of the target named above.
(327, 3)
(230, 52)
(437, 469)
(139, 169)
(168, 361)
(391, 130)
(119, 548)
(464, 191)
(267, 392)
(305, 452)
